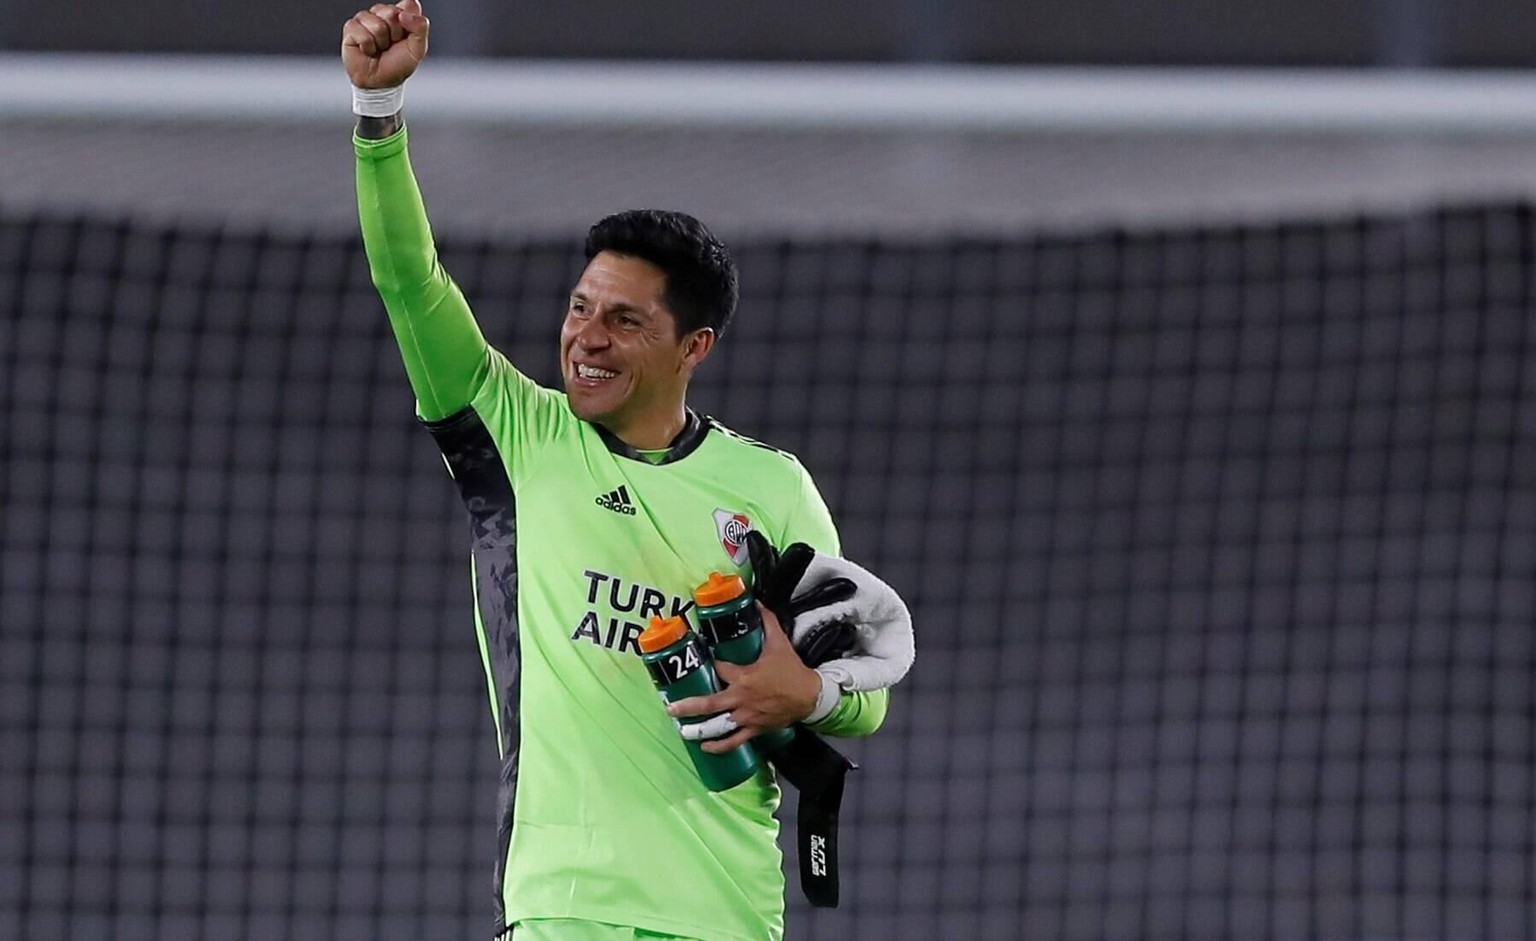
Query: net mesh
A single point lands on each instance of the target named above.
(1220, 544)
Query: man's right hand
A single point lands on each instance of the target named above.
(382, 45)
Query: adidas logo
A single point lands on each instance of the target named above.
(618, 501)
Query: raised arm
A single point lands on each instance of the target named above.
(446, 356)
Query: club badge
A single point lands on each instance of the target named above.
(732, 528)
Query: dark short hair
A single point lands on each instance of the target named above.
(701, 286)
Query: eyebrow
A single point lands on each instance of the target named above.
(617, 308)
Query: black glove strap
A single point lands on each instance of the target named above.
(817, 770)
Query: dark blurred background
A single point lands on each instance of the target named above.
(1481, 33)
(1188, 393)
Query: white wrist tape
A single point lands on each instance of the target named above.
(827, 700)
(377, 102)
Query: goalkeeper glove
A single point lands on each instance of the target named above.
(842, 620)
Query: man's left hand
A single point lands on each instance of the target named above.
(774, 693)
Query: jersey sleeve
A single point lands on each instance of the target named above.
(810, 521)
(856, 714)
(446, 357)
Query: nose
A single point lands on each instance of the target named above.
(592, 333)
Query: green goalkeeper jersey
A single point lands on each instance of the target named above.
(577, 540)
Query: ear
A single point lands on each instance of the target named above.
(696, 346)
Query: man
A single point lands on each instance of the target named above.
(591, 512)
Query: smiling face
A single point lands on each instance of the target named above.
(625, 366)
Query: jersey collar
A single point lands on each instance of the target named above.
(686, 442)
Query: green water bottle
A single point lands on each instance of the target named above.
(733, 628)
(680, 667)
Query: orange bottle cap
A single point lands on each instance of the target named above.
(719, 589)
(662, 633)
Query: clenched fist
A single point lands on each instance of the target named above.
(382, 45)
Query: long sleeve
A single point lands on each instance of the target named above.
(856, 714)
(446, 356)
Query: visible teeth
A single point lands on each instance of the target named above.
(592, 372)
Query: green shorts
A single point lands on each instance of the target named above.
(569, 929)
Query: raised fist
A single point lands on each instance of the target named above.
(382, 45)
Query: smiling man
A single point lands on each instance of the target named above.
(626, 357)
(591, 511)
